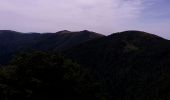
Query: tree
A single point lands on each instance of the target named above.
(39, 75)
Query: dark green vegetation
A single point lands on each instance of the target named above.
(12, 42)
(130, 65)
(40, 76)
(134, 65)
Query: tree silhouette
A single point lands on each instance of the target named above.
(38, 75)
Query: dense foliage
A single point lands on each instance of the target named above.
(12, 42)
(130, 65)
(41, 76)
(133, 65)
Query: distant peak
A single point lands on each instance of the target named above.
(135, 32)
(64, 31)
(8, 32)
(136, 35)
(86, 31)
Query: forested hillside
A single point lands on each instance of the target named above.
(42, 76)
(129, 65)
(12, 42)
(134, 65)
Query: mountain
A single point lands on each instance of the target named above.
(133, 65)
(12, 42)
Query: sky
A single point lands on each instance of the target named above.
(102, 16)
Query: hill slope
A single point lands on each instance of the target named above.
(133, 65)
(12, 42)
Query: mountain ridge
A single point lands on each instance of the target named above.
(12, 42)
(128, 64)
(132, 65)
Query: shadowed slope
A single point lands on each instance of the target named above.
(134, 65)
(12, 42)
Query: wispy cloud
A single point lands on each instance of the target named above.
(104, 16)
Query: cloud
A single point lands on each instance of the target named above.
(102, 16)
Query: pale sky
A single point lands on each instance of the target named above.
(102, 16)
